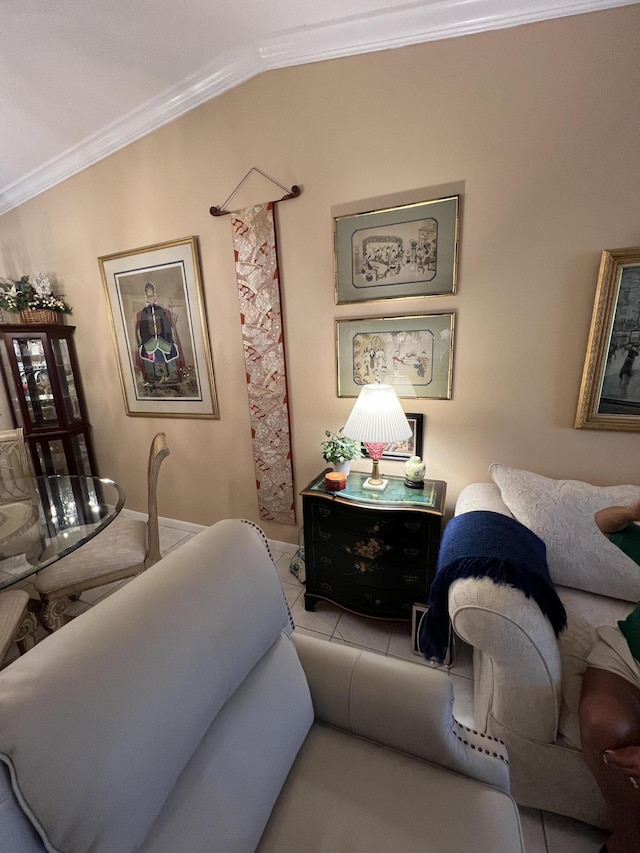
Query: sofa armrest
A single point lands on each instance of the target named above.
(484, 496)
(507, 626)
(402, 705)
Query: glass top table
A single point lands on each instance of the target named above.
(44, 518)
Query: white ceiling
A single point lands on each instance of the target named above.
(80, 79)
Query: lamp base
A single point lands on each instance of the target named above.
(377, 487)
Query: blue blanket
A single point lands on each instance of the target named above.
(487, 544)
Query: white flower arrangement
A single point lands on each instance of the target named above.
(31, 292)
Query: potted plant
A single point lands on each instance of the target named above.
(33, 298)
(340, 450)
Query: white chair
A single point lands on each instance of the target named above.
(17, 622)
(125, 548)
(19, 523)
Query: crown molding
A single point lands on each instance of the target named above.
(168, 105)
(414, 24)
(383, 30)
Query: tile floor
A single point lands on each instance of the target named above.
(544, 832)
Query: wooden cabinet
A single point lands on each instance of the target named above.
(42, 379)
(373, 553)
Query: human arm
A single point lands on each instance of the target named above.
(612, 519)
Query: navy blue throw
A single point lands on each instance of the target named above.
(487, 544)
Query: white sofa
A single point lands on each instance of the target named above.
(526, 681)
(180, 715)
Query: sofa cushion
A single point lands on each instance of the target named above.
(117, 702)
(561, 513)
(348, 794)
(223, 799)
(575, 644)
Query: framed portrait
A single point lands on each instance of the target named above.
(414, 354)
(412, 446)
(157, 315)
(610, 390)
(399, 252)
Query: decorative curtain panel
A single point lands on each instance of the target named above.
(254, 240)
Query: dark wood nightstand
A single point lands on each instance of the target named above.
(373, 553)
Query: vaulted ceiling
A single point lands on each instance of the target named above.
(79, 80)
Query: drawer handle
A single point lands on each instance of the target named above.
(324, 511)
(412, 526)
(324, 534)
(326, 587)
(326, 561)
(410, 579)
(411, 552)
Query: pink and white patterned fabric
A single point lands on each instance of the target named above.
(254, 241)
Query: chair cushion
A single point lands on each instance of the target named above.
(561, 513)
(121, 545)
(345, 793)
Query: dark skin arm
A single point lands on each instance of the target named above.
(612, 519)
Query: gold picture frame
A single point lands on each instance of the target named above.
(413, 353)
(397, 252)
(158, 321)
(610, 389)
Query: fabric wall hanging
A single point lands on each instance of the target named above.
(254, 241)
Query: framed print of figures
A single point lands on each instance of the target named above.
(414, 354)
(156, 310)
(412, 446)
(405, 251)
(610, 389)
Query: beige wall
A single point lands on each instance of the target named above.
(536, 127)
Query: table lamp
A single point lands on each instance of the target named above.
(376, 420)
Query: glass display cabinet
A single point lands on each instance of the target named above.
(42, 379)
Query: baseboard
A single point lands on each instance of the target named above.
(187, 526)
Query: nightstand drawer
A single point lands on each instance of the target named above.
(329, 516)
(371, 601)
(357, 568)
(386, 549)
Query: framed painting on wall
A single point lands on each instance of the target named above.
(610, 389)
(156, 310)
(414, 354)
(399, 252)
(412, 446)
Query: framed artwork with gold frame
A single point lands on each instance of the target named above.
(398, 252)
(610, 389)
(157, 315)
(414, 354)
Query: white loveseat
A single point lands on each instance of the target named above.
(179, 715)
(526, 682)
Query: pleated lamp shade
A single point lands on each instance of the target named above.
(377, 416)
(377, 419)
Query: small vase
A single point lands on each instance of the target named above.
(414, 471)
(343, 467)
